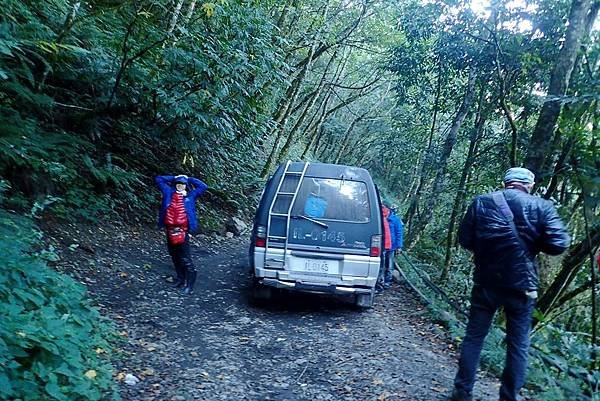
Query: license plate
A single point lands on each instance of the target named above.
(317, 266)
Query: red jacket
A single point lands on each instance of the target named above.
(387, 244)
(176, 216)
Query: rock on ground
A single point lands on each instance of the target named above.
(236, 225)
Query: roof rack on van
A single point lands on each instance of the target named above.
(287, 190)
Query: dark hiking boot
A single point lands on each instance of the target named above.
(180, 276)
(179, 282)
(191, 280)
(460, 395)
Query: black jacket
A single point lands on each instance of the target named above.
(500, 260)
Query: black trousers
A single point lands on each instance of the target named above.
(182, 259)
(518, 309)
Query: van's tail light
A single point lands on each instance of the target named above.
(261, 236)
(375, 245)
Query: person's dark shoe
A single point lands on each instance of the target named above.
(179, 282)
(179, 279)
(191, 280)
(460, 395)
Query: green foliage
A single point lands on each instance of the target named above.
(563, 372)
(53, 343)
(97, 98)
(560, 360)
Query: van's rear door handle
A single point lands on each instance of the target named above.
(313, 255)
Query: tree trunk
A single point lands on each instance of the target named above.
(282, 116)
(461, 191)
(559, 167)
(346, 136)
(284, 13)
(329, 112)
(442, 162)
(190, 11)
(325, 149)
(288, 143)
(290, 99)
(577, 291)
(357, 120)
(427, 155)
(503, 89)
(559, 83)
(345, 34)
(175, 16)
(576, 257)
(316, 130)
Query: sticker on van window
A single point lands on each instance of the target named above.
(320, 235)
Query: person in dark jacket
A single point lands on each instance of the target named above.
(178, 216)
(505, 274)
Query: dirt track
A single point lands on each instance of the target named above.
(217, 345)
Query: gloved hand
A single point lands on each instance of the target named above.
(181, 176)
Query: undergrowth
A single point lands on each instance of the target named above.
(53, 344)
(557, 357)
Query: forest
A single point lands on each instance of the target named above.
(436, 98)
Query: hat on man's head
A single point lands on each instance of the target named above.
(519, 174)
(181, 179)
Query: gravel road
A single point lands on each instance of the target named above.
(218, 345)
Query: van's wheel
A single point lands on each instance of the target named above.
(365, 301)
(260, 291)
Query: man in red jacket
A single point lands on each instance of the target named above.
(178, 216)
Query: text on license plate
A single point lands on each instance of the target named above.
(320, 266)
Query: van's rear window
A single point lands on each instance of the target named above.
(332, 199)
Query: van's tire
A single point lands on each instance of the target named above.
(365, 301)
(260, 291)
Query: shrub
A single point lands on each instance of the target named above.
(53, 344)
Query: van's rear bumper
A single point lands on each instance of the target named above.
(314, 287)
(358, 274)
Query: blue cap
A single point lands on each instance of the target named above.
(519, 174)
(181, 179)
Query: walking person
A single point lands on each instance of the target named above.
(505, 230)
(178, 216)
(388, 253)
